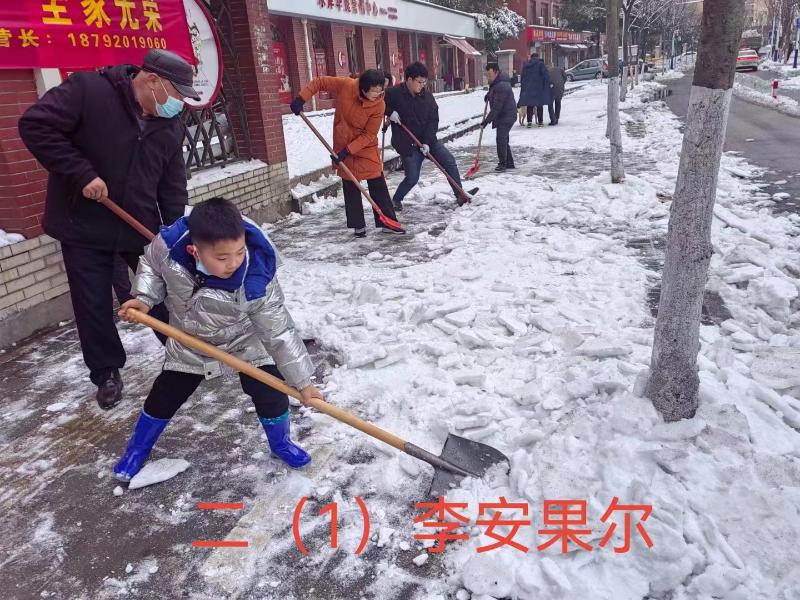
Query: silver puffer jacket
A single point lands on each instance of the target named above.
(251, 330)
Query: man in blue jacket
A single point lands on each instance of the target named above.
(502, 114)
(535, 92)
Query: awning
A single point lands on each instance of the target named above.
(572, 47)
(462, 44)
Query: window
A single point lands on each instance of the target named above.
(545, 14)
(352, 54)
(533, 11)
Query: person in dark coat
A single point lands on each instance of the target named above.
(502, 114)
(109, 134)
(558, 78)
(515, 79)
(415, 107)
(535, 92)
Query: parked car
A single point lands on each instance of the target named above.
(747, 59)
(594, 68)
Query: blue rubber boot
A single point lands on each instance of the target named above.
(145, 434)
(282, 446)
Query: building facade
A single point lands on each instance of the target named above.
(547, 35)
(314, 38)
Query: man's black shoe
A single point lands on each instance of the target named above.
(109, 393)
(500, 168)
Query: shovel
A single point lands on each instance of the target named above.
(464, 195)
(388, 221)
(460, 457)
(474, 168)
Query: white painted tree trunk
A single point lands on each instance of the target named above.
(674, 382)
(614, 132)
(623, 85)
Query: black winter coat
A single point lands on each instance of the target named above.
(420, 113)
(91, 126)
(502, 107)
(535, 84)
(558, 79)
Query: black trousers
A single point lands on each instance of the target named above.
(504, 156)
(539, 113)
(555, 115)
(90, 273)
(172, 388)
(354, 207)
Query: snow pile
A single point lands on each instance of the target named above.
(6, 239)
(527, 328)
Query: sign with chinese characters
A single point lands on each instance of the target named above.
(407, 15)
(83, 34)
(549, 34)
(280, 54)
(207, 53)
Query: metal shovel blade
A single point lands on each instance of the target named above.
(473, 457)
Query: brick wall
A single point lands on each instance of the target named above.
(338, 34)
(368, 37)
(22, 181)
(390, 48)
(297, 48)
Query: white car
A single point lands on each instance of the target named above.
(747, 59)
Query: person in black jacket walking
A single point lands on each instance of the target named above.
(109, 134)
(558, 79)
(502, 114)
(415, 107)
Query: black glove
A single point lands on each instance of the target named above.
(385, 127)
(297, 105)
(484, 124)
(341, 156)
(486, 98)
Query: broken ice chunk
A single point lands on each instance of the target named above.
(158, 471)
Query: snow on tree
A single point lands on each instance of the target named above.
(500, 24)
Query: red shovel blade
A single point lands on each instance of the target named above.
(391, 223)
(472, 170)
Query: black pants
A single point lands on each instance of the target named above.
(539, 113)
(555, 115)
(90, 273)
(172, 388)
(504, 156)
(354, 208)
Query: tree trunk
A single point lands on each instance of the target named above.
(673, 382)
(613, 131)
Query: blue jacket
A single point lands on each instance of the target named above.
(535, 84)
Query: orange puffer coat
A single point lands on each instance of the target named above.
(355, 124)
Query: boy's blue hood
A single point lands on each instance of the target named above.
(254, 274)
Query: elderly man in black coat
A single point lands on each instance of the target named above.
(502, 114)
(535, 92)
(109, 134)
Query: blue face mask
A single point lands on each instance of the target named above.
(200, 266)
(169, 109)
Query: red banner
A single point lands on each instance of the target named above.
(83, 34)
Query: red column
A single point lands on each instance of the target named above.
(252, 44)
(22, 181)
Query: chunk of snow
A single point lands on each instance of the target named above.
(158, 471)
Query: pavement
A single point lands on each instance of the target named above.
(767, 138)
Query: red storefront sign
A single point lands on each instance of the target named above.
(83, 34)
(280, 55)
(549, 34)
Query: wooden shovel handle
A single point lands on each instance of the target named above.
(244, 367)
(128, 218)
(343, 166)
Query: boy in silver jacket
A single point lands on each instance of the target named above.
(215, 272)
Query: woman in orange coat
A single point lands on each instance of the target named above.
(358, 117)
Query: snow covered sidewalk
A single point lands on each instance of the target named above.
(523, 321)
